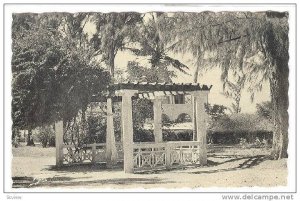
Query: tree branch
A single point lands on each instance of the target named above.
(232, 39)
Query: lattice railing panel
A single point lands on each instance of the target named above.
(95, 153)
(165, 155)
(187, 155)
(84, 154)
(149, 158)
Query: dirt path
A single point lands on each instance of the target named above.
(248, 168)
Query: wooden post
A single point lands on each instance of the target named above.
(157, 109)
(59, 134)
(127, 129)
(111, 150)
(93, 153)
(201, 116)
(194, 124)
(168, 156)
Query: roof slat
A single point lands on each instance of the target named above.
(154, 86)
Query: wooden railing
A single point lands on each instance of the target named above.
(146, 156)
(150, 156)
(94, 153)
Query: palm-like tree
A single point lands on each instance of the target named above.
(113, 33)
(149, 42)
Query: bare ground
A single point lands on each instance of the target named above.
(227, 167)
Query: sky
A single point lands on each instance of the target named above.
(210, 77)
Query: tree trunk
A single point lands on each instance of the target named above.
(112, 62)
(279, 85)
(112, 48)
(29, 138)
(195, 80)
(111, 160)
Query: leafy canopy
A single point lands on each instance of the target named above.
(52, 77)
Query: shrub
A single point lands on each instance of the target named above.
(166, 120)
(183, 118)
(143, 135)
(234, 137)
(169, 135)
(142, 109)
(96, 131)
(46, 136)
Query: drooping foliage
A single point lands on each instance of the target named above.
(259, 40)
(52, 77)
(233, 90)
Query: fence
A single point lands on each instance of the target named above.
(146, 156)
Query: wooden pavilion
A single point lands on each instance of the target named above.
(143, 156)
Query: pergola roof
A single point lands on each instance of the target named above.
(151, 89)
(155, 86)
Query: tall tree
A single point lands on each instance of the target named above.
(52, 78)
(263, 33)
(113, 32)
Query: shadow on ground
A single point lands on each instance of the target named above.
(215, 162)
(248, 163)
(99, 182)
(99, 167)
(22, 182)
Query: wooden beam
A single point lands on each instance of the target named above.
(157, 110)
(59, 135)
(201, 119)
(127, 129)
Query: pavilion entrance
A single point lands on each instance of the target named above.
(143, 156)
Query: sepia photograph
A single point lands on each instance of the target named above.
(139, 98)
